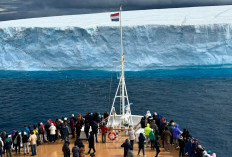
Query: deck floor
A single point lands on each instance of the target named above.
(109, 149)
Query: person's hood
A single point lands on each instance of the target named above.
(148, 125)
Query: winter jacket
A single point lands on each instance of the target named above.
(80, 123)
(72, 123)
(95, 127)
(26, 129)
(176, 132)
(154, 127)
(25, 138)
(52, 130)
(126, 146)
(75, 151)
(166, 135)
(142, 122)
(33, 139)
(131, 134)
(65, 130)
(66, 150)
(152, 135)
(147, 130)
(103, 129)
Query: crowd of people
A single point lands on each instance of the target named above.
(52, 131)
(158, 132)
(155, 127)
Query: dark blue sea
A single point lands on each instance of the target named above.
(198, 99)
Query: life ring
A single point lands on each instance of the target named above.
(112, 136)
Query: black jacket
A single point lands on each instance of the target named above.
(66, 150)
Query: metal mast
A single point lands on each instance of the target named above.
(122, 68)
(125, 111)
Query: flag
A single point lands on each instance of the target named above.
(114, 17)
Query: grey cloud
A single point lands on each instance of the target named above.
(17, 9)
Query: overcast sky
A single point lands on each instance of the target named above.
(18, 9)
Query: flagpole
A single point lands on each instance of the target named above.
(122, 67)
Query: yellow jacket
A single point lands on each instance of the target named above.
(147, 130)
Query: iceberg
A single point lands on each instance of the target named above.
(162, 38)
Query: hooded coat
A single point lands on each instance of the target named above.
(126, 146)
(176, 132)
(147, 130)
(75, 151)
(66, 150)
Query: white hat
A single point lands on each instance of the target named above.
(72, 115)
(65, 118)
(155, 114)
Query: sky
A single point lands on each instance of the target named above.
(21, 9)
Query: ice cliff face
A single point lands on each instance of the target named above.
(152, 40)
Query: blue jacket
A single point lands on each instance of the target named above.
(26, 129)
(176, 132)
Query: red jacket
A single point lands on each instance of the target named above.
(103, 129)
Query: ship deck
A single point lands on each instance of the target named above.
(108, 149)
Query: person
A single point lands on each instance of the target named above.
(87, 127)
(95, 130)
(176, 134)
(166, 138)
(157, 147)
(194, 147)
(199, 151)
(33, 139)
(25, 139)
(8, 146)
(41, 131)
(131, 134)
(104, 129)
(156, 119)
(1, 146)
(143, 122)
(27, 130)
(75, 151)
(18, 141)
(182, 146)
(126, 146)
(81, 149)
(47, 126)
(52, 133)
(147, 131)
(66, 149)
(79, 125)
(65, 131)
(141, 143)
(152, 139)
(72, 125)
(4, 137)
(91, 142)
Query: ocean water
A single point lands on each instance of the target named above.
(198, 99)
